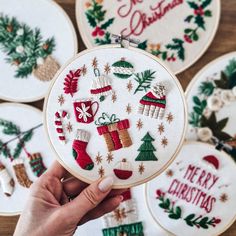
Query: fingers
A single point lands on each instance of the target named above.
(88, 199)
(105, 207)
(57, 170)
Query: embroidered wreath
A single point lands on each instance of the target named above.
(214, 94)
(171, 51)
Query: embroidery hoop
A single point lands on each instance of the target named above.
(75, 43)
(147, 188)
(199, 76)
(89, 45)
(30, 109)
(110, 47)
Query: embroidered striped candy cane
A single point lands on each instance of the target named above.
(59, 116)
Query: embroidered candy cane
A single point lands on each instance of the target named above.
(59, 116)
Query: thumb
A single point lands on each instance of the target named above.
(88, 199)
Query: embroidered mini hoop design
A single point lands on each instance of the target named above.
(28, 68)
(211, 98)
(106, 139)
(196, 192)
(22, 160)
(177, 32)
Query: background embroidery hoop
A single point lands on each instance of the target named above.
(208, 69)
(73, 48)
(80, 12)
(48, 159)
(147, 191)
(62, 70)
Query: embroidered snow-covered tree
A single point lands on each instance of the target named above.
(26, 49)
(146, 150)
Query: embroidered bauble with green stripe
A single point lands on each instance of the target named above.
(122, 69)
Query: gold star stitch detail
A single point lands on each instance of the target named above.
(95, 62)
(169, 173)
(141, 169)
(101, 172)
(110, 157)
(139, 124)
(128, 109)
(169, 118)
(164, 142)
(107, 69)
(61, 99)
(113, 97)
(224, 197)
(69, 127)
(129, 86)
(98, 158)
(84, 70)
(161, 128)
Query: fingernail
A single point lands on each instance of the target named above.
(106, 184)
(121, 198)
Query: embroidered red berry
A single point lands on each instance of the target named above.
(199, 11)
(101, 32)
(187, 39)
(173, 59)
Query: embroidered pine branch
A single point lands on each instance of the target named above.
(71, 82)
(9, 128)
(4, 150)
(144, 80)
(206, 88)
(21, 52)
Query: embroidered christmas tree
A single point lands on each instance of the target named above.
(146, 150)
(26, 49)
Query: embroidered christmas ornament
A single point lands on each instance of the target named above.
(6, 181)
(31, 66)
(110, 140)
(195, 25)
(122, 69)
(211, 100)
(194, 196)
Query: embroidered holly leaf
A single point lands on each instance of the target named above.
(206, 88)
(194, 119)
(178, 211)
(164, 56)
(196, 100)
(193, 5)
(188, 30)
(105, 40)
(189, 18)
(222, 82)
(208, 13)
(71, 82)
(107, 23)
(91, 20)
(177, 45)
(189, 219)
(199, 20)
(203, 222)
(206, 3)
(143, 45)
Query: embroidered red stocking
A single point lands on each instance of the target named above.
(79, 150)
(6, 181)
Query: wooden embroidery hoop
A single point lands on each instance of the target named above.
(75, 42)
(149, 207)
(132, 49)
(89, 45)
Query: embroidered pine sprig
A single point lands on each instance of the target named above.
(9, 128)
(21, 52)
(175, 212)
(4, 150)
(144, 80)
(206, 88)
(71, 82)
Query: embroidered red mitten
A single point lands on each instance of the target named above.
(6, 181)
(79, 150)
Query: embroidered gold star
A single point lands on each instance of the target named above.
(141, 169)
(110, 157)
(95, 62)
(169, 173)
(224, 197)
(69, 127)
(161, 128)
(84, 70)
(61, 99)
(128, 109)
(120, 214)
(113, 97)
(101, 172)
(98, 158)
(107, 69)
(164, 142)
(139, 124)
(169, 118)
(129, 86)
